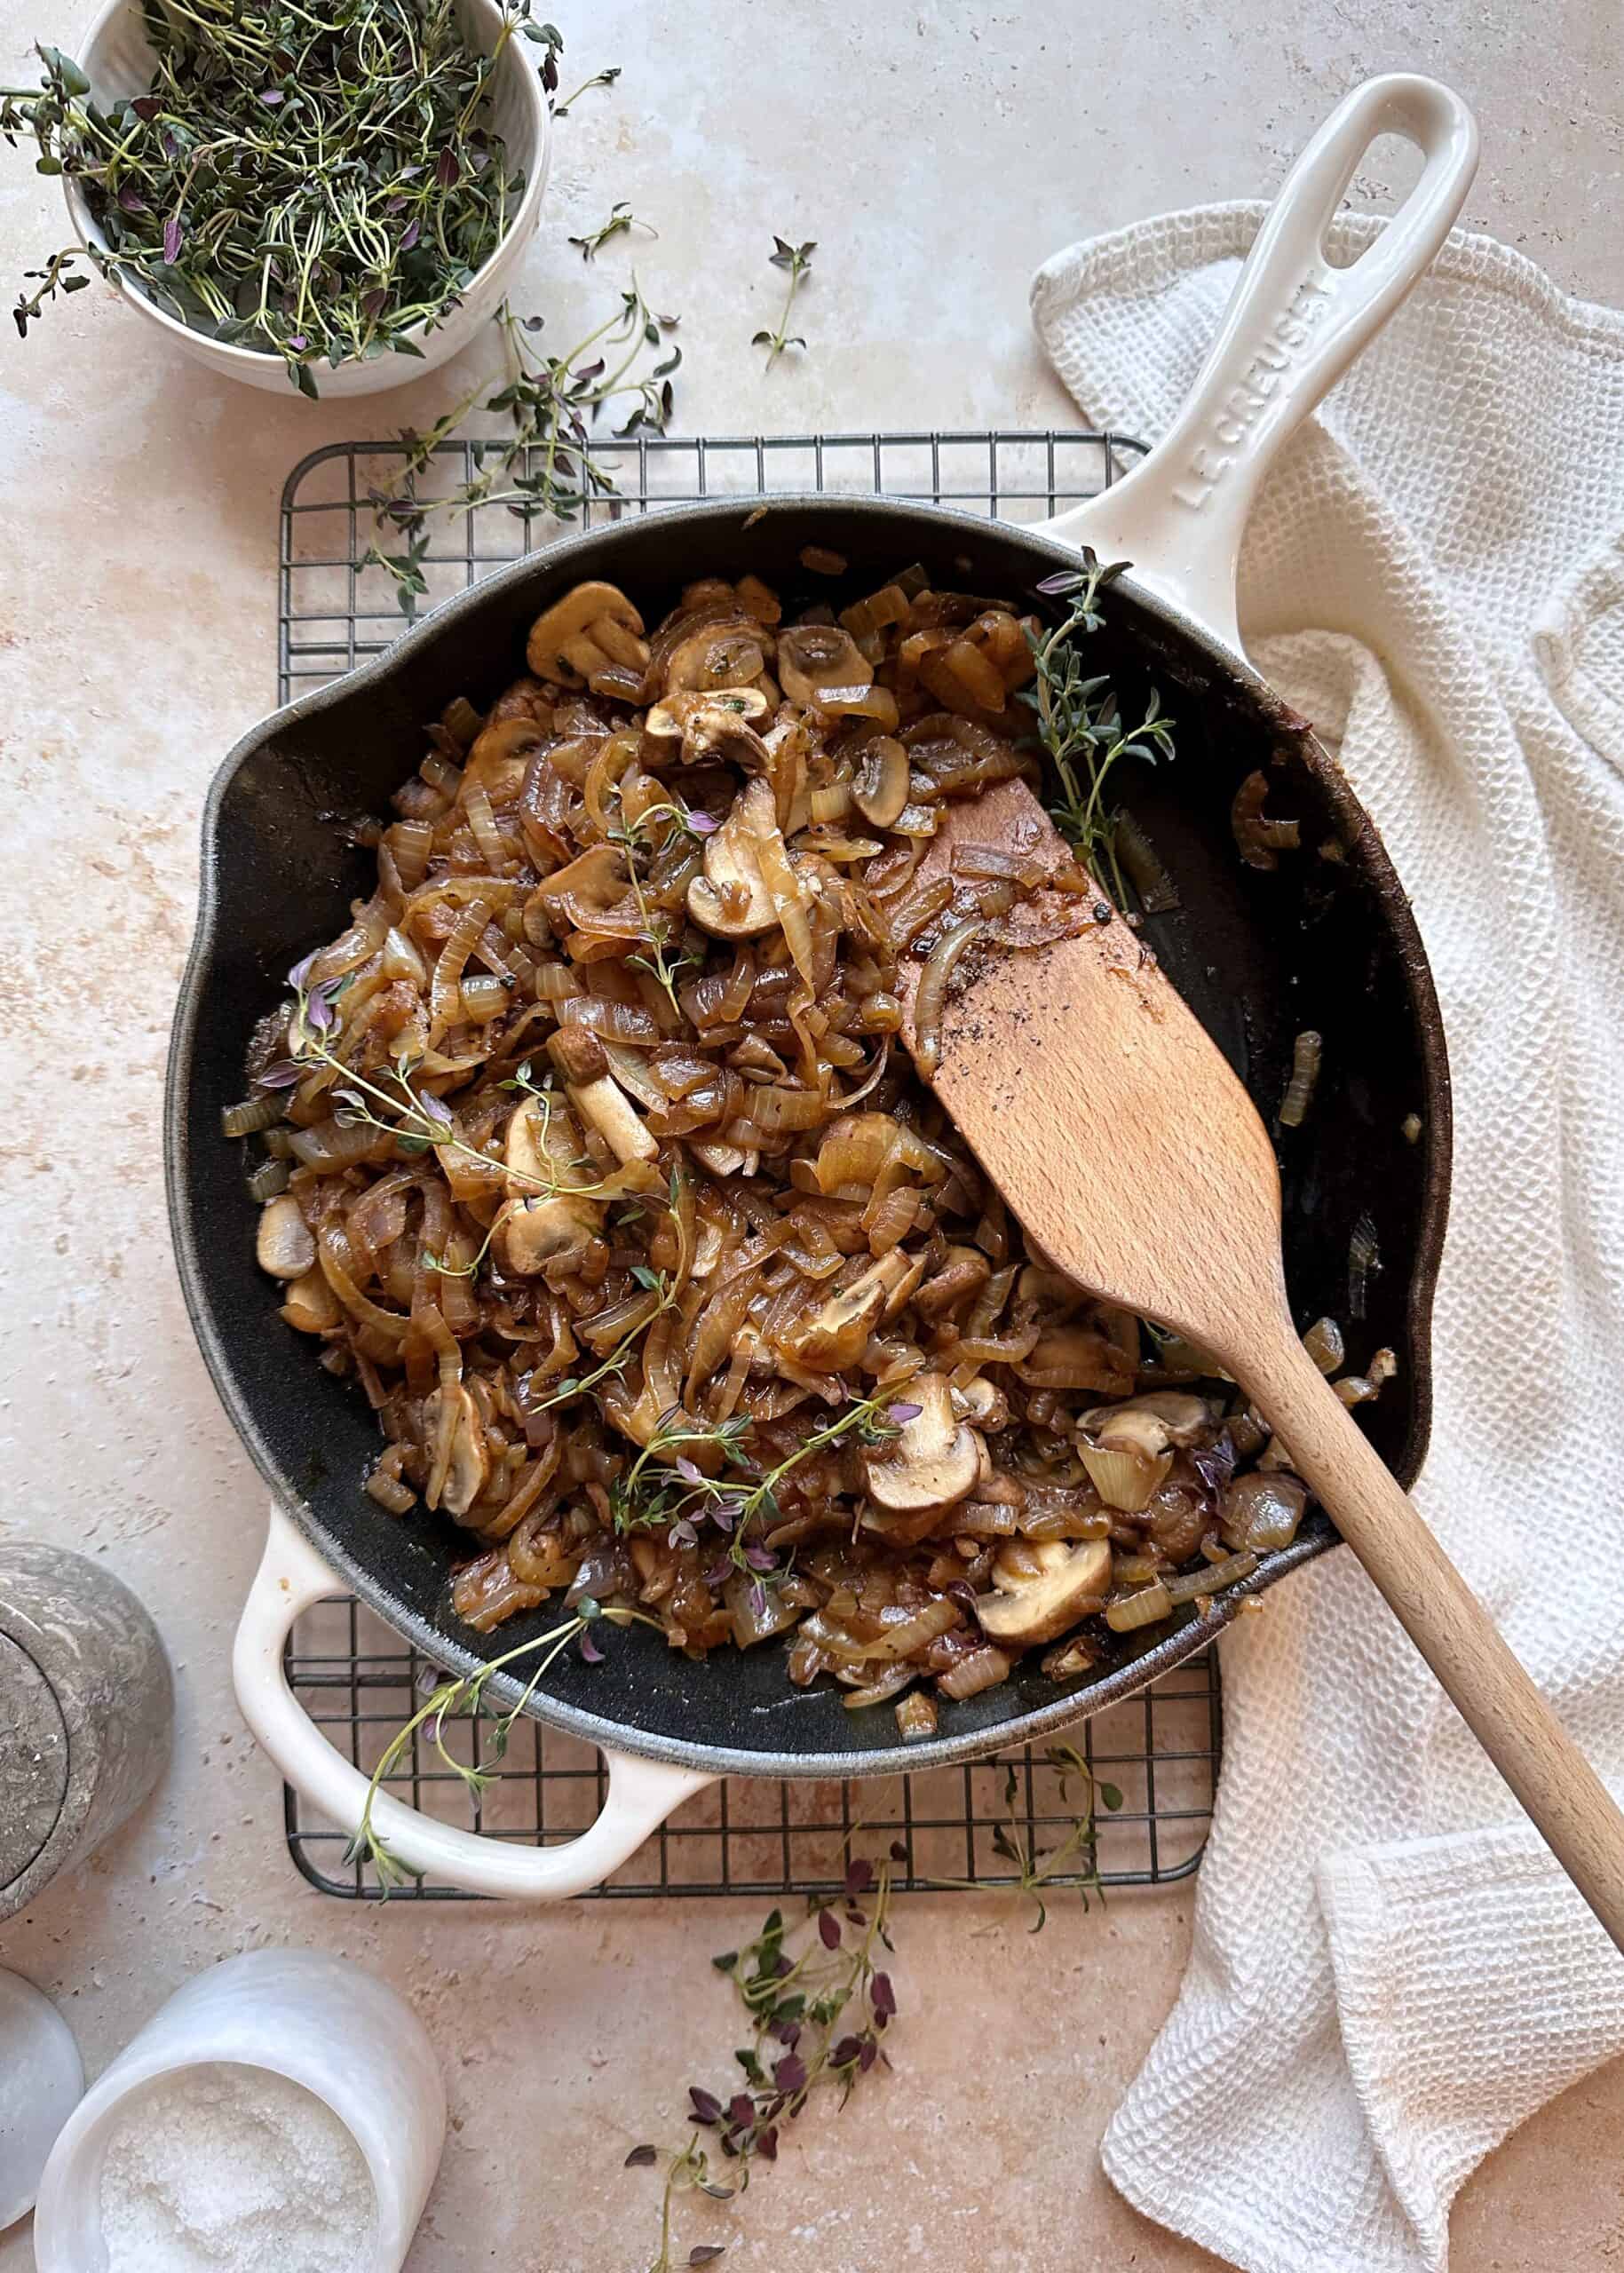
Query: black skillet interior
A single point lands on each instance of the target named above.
(1321, 942)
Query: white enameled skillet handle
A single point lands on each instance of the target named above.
(1292, 328)
(642, 1793)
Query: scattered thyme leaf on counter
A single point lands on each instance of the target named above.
(620, 222)
(306, 189)
(598, 79)
(818, 2001)
(796, 261)
(549, 461)
(1080, 722)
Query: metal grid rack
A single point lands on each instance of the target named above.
(757, 1836)
(958, 1828)
(334, 613)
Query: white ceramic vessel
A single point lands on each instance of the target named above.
(116, 57)
(316, 2020)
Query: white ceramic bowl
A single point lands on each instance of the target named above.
(318, 2020)
(116, 57)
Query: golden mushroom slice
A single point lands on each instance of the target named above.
(668, 721)
(835, 1333)
(283, 1245)
(1128, 1448)
(311, 1306)
(593, 634)
(593, 1091)
(539, 1221)
(879, 787)
(934, 1460)
(716, 734)
(460, 1463)
(1038, 1596)
(716, 656)
(817, 657)
(732, 900)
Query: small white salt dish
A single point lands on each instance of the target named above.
(41, 2081)
(317, 2020)
(116, 57)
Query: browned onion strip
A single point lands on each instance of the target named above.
(931, 1001)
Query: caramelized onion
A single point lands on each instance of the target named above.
(667, 1277)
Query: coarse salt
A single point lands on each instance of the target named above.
(221, 2168)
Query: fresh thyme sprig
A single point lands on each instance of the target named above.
(796, 261)
(621, 222)
(1074, 1863)
(306, 186)
(464, 1695)
(818, 2016)
(418, 1120)
(1080, 722)
(548, 461)
(681, 1497)
(632, 837)
(598, 79)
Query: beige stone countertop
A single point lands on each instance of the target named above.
(937, 150)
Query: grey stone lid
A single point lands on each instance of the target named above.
(33, 1760)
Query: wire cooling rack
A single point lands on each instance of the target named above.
(980, 1826)
(334, 610)
(958, 1828)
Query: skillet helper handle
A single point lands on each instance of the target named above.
(642, 1793)
(1560, 1791)
(1293, 326)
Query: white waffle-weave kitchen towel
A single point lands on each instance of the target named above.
(1389, 1974)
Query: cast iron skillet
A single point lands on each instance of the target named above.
(1326, 940)
(1321, 943)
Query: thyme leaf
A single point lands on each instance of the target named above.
(818, 2001)
(621, 222)
(1079, 723)
(308, 186)
(548, 459)
(795, 260)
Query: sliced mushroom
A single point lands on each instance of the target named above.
(284, 1246)
(668, 721)
(879, 784)
(1024, 1609)
(935, 1459)
(611, 1111)
(717, 734)
(593, 631)
(1128, 1448)
(460, 1464)
(730, 900)
(311, 1306)
(835, 1336)
(540, 1223)
(983, 1403)
(964, 1272)
(500, 757)
(813, 657)
(1151, 1423)
(718, 655)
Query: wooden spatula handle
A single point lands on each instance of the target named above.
(1515, 1725)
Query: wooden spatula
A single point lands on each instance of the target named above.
(1137, 1163)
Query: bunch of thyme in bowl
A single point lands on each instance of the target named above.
(312, 183)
